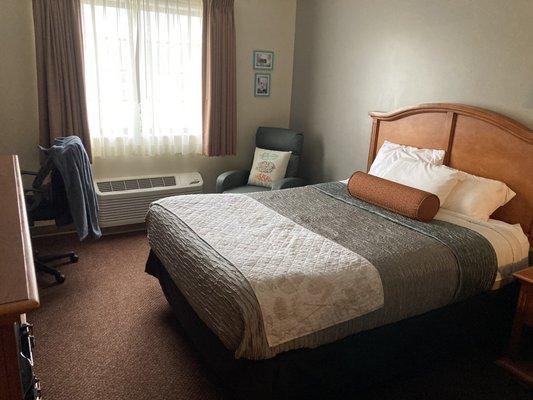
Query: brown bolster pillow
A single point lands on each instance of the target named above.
(410, 202)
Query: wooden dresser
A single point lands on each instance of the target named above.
(18, 288)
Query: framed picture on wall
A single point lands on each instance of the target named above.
(263, 59)
(262, 85)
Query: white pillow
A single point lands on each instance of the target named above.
(478, 197)
(436, 179)
(390, 152)
(268, 166)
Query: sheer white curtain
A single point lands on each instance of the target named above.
(143, 68)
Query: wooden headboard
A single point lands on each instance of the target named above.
(477, 141)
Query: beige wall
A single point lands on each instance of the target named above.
(260, 24)
(356, 56)
(18, 83)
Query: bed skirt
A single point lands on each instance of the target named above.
(340, 369)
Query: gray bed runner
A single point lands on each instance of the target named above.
(471, 250)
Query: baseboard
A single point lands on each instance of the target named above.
(52, 230)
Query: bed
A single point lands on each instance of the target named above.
(265, 283)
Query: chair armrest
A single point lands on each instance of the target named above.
(35, 190)
(231, 179)
(24, 172)
(286, 183)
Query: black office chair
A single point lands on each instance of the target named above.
(47, 201)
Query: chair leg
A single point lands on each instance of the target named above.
(41, 263)
(60, 278)
(53, 257)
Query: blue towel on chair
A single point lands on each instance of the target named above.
(71, 159)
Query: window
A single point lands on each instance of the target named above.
(143, 72)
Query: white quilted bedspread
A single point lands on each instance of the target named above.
(303, 282)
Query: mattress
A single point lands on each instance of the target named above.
(508, 241)
(422, 266)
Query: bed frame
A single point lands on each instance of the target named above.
(477, 141)
(477, 326)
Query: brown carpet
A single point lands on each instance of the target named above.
(108, 333)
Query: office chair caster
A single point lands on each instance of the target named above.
(41, 266)
(74, 258)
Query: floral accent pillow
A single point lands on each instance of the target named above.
(268, 166)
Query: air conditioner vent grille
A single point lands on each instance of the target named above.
(118, 186)
(105, 187)
(144, 183)
(169, 180)
(157, 182)
(131, 184)
(135, 184)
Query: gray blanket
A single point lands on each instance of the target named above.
(421, 268)
(71, 159)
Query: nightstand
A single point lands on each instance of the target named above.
(515, 362)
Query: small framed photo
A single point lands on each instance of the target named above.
(263, 59)
(262, 85)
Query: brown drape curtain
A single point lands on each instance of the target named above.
(219, 91)
(60, 77)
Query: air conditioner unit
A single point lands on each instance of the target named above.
(124, 201)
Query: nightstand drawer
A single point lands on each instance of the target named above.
(525, 303)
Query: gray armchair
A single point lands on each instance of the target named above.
(273, 139)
